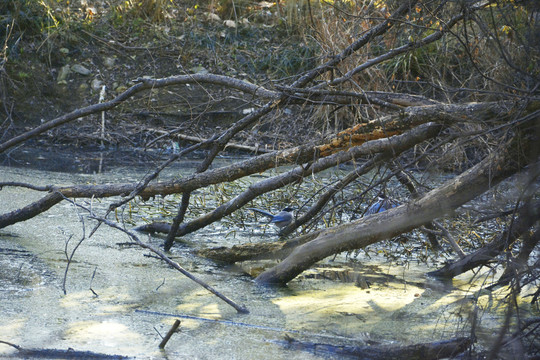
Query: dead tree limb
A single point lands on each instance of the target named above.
(169, 334)
(409, 183)
(517, 266)
(297, 155)
(353, 137)
(142, 84)
(196, 139)
(436, 203)
(29, 211)
(528, 215)
(257, 251)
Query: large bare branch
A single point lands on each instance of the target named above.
(391, 146)
(355, 136)
(143, 84)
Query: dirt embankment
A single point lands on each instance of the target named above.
(52, 73)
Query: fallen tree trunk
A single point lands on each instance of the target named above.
(24, 353)
(356, 136)
(256, 251)
(436, 203)
(227, 173)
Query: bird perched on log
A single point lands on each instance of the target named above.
(281, 219)
(383, 203)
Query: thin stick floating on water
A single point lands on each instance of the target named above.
(236, 323)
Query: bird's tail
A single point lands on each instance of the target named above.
(265, 213)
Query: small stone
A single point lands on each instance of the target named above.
(199, 70)
(229, 23)
(63, 74)
(79, 69)
(64, 51)
(109, 62)
(96, 85)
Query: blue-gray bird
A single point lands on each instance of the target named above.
(382, 204)
(281, 219)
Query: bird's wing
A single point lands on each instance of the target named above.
(265, 213)
(375, 208)
(282, 216)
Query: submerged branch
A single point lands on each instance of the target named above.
(425, 351)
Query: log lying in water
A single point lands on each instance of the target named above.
(424, 351)
(255, 251)
(58, 354)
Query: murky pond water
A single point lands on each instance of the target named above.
(119, 300)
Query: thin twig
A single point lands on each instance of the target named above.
(450, 238)
(134, 237)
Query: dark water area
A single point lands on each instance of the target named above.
(97, 160)
(71, 160)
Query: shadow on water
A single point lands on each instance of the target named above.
(121, 301)
(91, 160)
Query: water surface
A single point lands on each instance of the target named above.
(119, 300)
